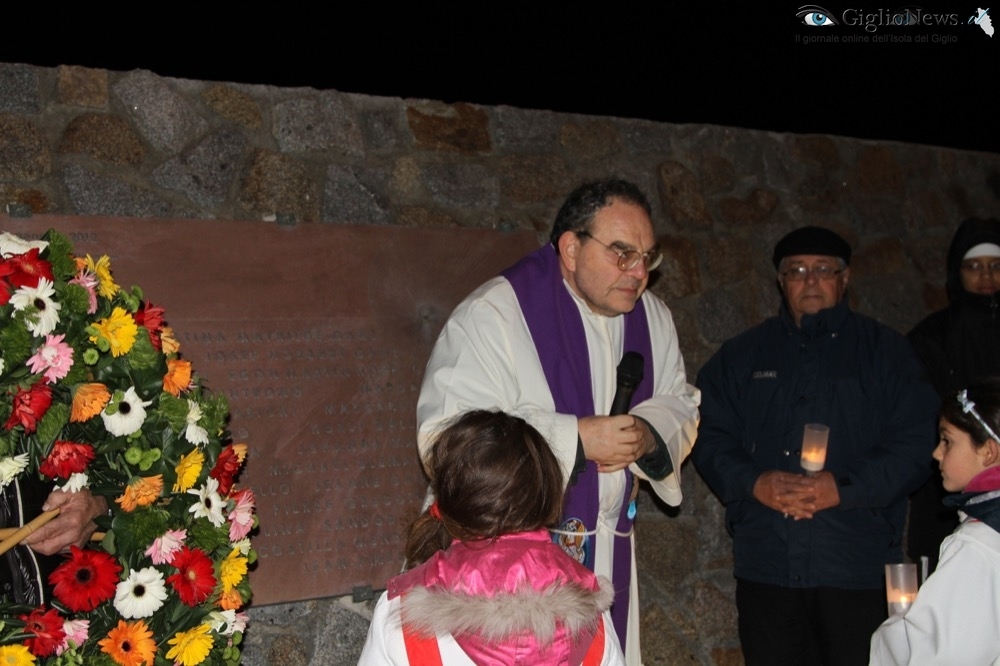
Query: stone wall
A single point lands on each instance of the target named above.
(94, 142)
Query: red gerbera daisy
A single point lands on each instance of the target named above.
(29, 407)
(226, 467)
(150, 317)
(47, 632)
(195, 577)
(86, 580)
(27, 269)
(66, 458)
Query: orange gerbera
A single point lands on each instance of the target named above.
(231, 600)
(130, 644)
(240, 450)
(169, 342)
(178, 376)
(142, 492)
(88, 401)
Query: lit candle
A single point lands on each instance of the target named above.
(814, 440)
(900, 587)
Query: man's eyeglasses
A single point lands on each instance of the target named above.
(980, 267)
(821, 272)
(629, 259)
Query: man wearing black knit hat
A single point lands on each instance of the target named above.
(810, 547)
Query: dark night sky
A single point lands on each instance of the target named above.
(676, 64)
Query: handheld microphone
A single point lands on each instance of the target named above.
(630, 373)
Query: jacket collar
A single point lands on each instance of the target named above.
(830, 320)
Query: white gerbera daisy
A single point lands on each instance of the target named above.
(76, 482)
(243, 545)
(194, 432)
(11, 245)
(141, 594)
(46, 315)
(11, 466)
(209, 504)
(129, 414)
(222, 622)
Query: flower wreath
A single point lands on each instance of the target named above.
(94, 398)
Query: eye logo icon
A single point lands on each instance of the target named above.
(815, 16)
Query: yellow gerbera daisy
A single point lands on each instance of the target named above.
(232, 570)
(188, 470)
(16, 655)
(119, 330)
(102, 269)
(129, 644)
(190, 647)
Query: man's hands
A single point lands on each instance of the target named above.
(615, 442)
(796, 495)
(73, 525)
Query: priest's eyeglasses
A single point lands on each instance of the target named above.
(629, 259)
(823, 272)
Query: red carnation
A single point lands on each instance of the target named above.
(26, 269)
(47, 630)
(66, 458)
(150, 317)
(29, 407)
(195, 577)
(226, 467)
(87, 580)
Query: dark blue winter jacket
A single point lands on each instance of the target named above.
(841, 369)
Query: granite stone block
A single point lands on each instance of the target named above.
(104, 137)
(165, 118)
(24, 150)
(204, 173)
(19, 88)
(82, 86)
(326, 122)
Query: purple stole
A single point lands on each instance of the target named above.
(557, 331)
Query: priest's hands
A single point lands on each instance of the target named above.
(615, 442)
(73, 525)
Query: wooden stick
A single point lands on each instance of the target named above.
(8, 531)
(20, 533)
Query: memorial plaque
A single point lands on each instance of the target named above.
(318, 335)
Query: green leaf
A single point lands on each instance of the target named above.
(175, 410)
(60, 254)
(143, 354)
(15, 341)
(52, 423)
(206, 536)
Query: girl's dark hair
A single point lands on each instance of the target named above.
(491, 474)
(986, 396)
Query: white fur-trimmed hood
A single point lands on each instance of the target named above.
(436, 610)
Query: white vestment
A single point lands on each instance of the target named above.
(485, 359)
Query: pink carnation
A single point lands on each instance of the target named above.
(54, 358)
(163, 548)
(76, 631)
(241, 517)
(88, 281)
